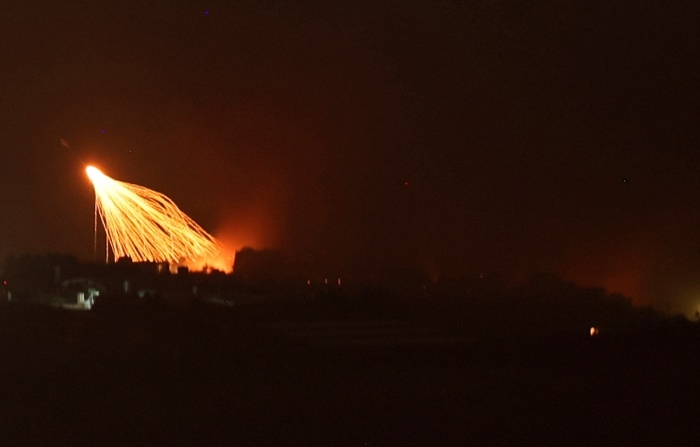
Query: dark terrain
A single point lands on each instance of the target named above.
(152, 375)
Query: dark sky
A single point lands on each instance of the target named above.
(461, 138)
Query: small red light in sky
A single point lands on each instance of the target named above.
(405, 183)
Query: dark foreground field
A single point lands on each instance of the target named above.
(213, 377)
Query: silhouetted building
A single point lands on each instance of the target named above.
(263, 265)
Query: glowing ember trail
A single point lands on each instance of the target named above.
(145, 225)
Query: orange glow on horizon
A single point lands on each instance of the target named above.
(622, 271)
(247, 227)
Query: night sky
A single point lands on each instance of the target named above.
(461, 138)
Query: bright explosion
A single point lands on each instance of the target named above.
(147, 226)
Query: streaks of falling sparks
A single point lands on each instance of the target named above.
(146, 225)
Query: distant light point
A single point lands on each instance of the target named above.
(102, 131)
(206, 12)
(405, 183)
